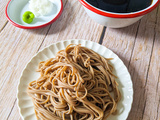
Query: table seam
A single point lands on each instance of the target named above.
(3, 26)
(134, 44)
(150, 62)
(102, 35)
(44, 38)
(12, 108)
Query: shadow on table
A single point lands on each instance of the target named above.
(145, 31)
(149, 24)
(136, 112)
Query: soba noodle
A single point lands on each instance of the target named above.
(78, 84)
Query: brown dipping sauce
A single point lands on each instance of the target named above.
(120, 6)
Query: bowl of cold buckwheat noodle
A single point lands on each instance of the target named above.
(75, 80)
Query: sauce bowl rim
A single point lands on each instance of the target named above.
(119, 15)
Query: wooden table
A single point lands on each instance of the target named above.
(137, 45)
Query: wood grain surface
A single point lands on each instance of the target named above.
(137, 45)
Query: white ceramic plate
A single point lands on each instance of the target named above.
(29, 74)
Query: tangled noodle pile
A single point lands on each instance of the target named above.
(78, 84)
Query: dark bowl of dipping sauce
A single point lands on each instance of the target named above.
(118, 13)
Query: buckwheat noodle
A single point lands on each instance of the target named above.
(78, 84)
